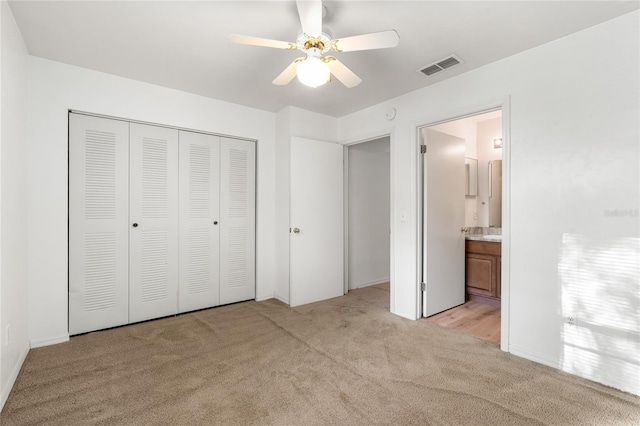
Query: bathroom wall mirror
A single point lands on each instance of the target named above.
(495, 193)
(471, 177)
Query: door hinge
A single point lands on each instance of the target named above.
(423, 286)
(423, 149)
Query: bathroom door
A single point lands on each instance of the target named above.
(443, 217)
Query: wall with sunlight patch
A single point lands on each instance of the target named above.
(600, 305)
(574, 155)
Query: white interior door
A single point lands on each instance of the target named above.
(317, 221)
(153, 240)
(237, 220)
(98, 223)
(443, 209)
(199, 221)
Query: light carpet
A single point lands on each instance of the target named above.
(339, 362)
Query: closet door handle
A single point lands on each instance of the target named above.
(215, 222)
(135, 225)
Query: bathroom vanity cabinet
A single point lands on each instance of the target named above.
(483, 263)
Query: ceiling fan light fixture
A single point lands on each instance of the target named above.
(313, 72)
(314, 69)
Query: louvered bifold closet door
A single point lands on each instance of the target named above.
(199, 221)
(237, 220)
(98, 223)
(153, 240)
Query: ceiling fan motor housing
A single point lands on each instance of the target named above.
(315, 52)
(307, 42)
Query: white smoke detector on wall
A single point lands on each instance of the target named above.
(391, 114)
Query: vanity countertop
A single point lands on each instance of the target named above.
(486, 237)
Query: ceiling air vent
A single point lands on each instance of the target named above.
(441, 65)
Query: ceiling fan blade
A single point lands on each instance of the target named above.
(381, 40)
(288, 74)
(310, 13)
(342, 73)
(262, 42)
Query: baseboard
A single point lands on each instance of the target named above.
(492, 301)
(264, 297)
(369, 283)
(51, 341)
(514, 350)
(12, 378)
(604, 379)
(282, 299)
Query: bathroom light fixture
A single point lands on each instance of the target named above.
(497, 143)
(313, 71)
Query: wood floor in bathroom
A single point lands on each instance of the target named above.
(475, 318)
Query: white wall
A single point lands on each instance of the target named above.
(574, 159)
(292, 122)
(368, 213)
(14, 345)
(54, 88)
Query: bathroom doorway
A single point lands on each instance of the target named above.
(480, 312)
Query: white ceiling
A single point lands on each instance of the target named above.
(184, 45)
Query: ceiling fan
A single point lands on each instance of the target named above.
(316, 67)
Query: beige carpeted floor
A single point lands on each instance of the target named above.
(339, 362)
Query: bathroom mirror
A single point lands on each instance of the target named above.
(495, 193)
(471, 177)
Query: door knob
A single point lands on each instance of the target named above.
(135, 225)
(215, 222)
(296, 230)
(464, 229)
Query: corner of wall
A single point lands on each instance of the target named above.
(38, 343)
(8, 384)
(14, 344)
(311, 125)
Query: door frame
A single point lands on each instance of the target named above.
(503, 105)
(368, 137)
(346, 204)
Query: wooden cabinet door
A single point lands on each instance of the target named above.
(481, 274)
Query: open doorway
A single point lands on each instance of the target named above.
(367, 213)
(480, 312)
